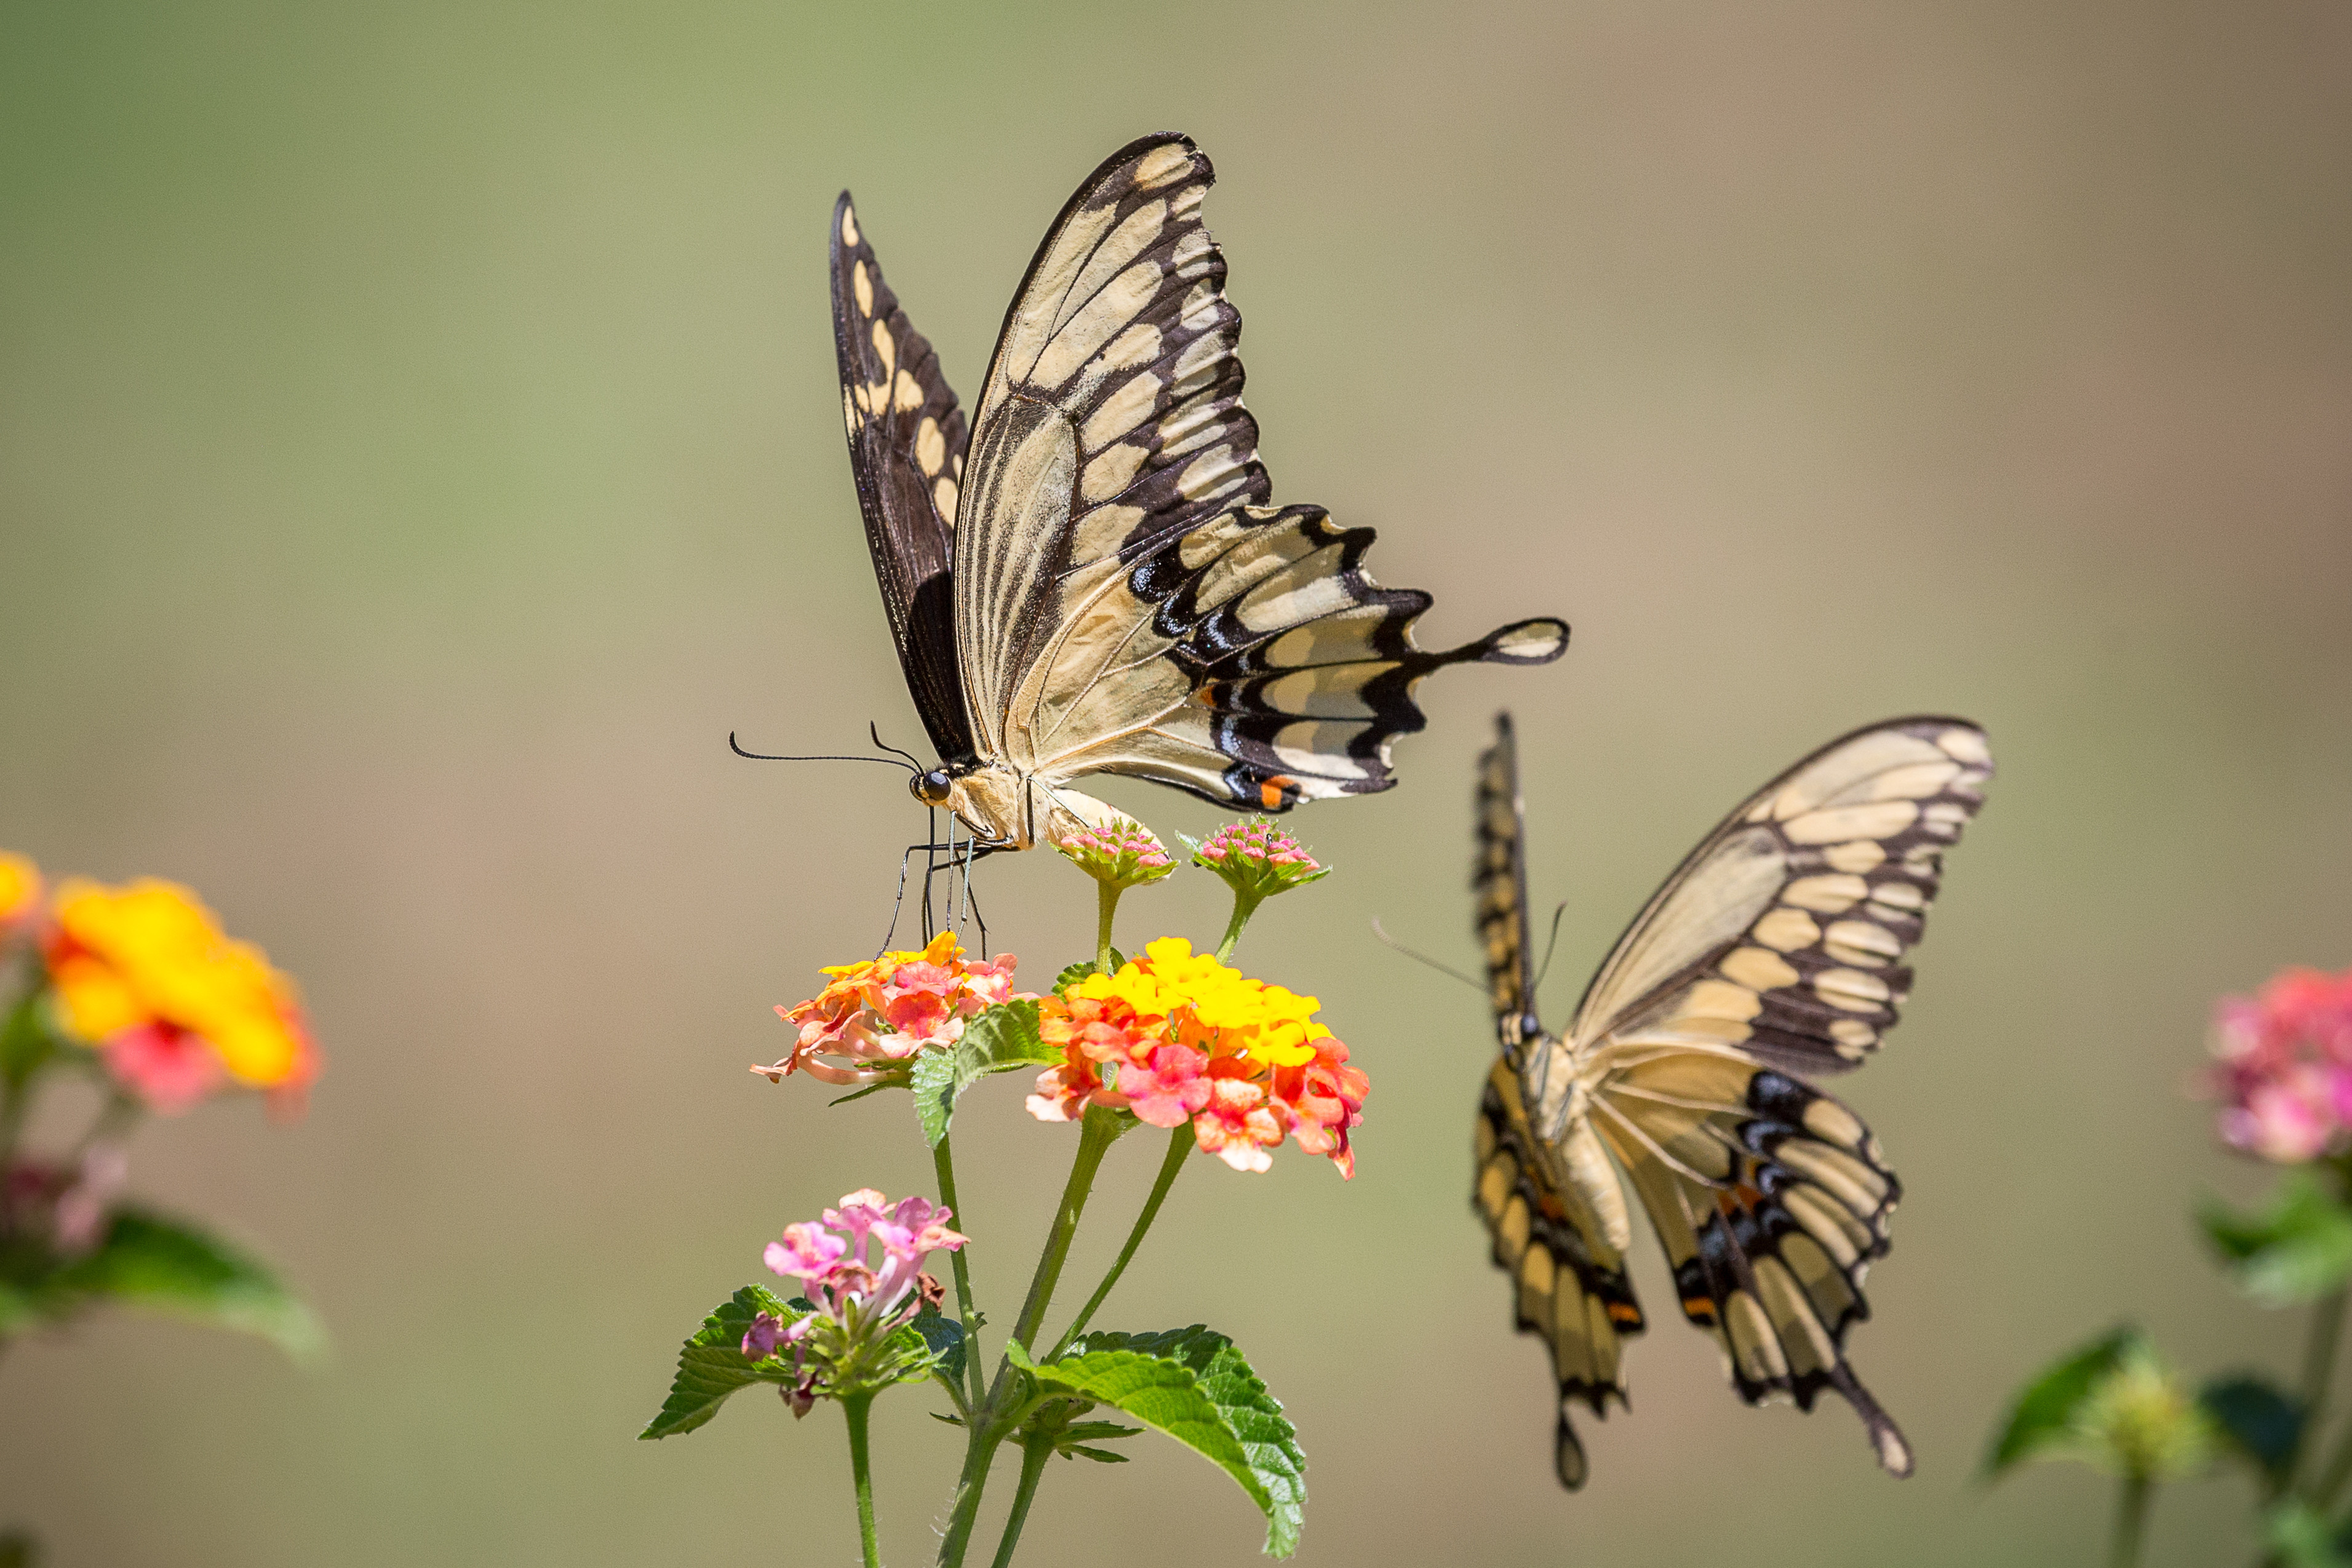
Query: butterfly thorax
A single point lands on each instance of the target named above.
(1007, 809)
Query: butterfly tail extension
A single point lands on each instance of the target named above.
(1886, 1440)
(1568, 1460)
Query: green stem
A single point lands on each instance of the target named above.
(1034, 1455)
(943, 1161)
(2318, 1376)
(979, 1448)
(1245, 905)
(2131, 1517)
(1106, 906)
(855, 1406)
(1180, 1143)
(1096, 1134)
(994, 1419)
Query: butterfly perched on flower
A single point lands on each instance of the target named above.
(1090, 577)
(1771, 956)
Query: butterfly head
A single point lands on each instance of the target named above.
(931, 789)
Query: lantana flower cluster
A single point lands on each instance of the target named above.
(872, 1017)
(861, 1270)
(144, 975)
(1177, 1036)
(2284, 1066)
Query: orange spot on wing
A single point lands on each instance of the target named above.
(1619, 1312)
(1740, 1200)
(1271, 791)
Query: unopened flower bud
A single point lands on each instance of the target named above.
(1257, 859)
(1121, 854)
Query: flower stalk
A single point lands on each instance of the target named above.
(1034, 1452)
(1180, 1143)
(856, 1407)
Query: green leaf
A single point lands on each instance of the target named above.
(19, 1549)
(1100, 1456)
(1084, 967)
(945, 1338)
(2043, 1416)
(997, 1040)
(712, 1366)
(148, 1259)
(26, 1039)
(1193, 1385)
(2299, 1537)
(2261, 1424)
(2296, 1249)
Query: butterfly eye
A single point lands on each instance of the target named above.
(930, 789)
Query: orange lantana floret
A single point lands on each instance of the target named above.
(145, 973)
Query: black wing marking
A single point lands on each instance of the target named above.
(906, 442)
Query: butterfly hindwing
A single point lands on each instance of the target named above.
(1771, 1199)
(907, 441)
(1126, 601)
(1570, 1286)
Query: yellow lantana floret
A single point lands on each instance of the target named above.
(1267, 1022)
(152, 953)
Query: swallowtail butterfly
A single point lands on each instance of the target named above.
(1772, 956)
(1090, 578)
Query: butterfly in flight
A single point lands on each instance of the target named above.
(1090, 577)
(1771, 956)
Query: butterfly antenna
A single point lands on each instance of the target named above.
(1549, 943)
(913, 761)
(733, 745)
(1478, 985)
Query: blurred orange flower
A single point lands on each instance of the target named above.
(20, 890)
(144, 972)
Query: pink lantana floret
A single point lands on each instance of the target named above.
(2283, 1066)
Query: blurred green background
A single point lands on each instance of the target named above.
(419, 446)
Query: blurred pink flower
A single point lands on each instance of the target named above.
(2283, 1066)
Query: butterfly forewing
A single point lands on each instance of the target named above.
(1498, 880)
(1126, 601)
(906, 442)
(1782, 934)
